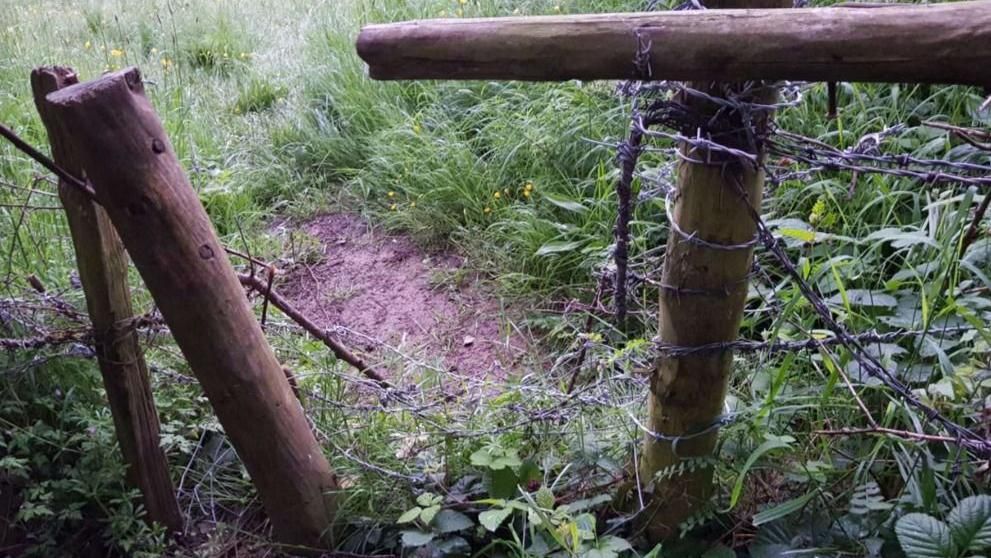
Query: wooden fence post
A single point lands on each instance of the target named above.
(102, 265)
(137, 178)
(705, 284)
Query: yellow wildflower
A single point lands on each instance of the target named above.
(392, 207)
(526, 193)
(487, 210)
(497, 195)
(87, 45)
(116, 52)
(392, 194)
(412, 204)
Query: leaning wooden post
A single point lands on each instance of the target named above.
(703, 291)
(102, 265)
(137, 178)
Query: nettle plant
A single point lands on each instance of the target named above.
(519, 512)
(965, 533)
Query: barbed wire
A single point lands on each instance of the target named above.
(698, 139)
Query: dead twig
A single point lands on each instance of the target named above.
(339, 350)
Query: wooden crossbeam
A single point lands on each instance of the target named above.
(934, 43)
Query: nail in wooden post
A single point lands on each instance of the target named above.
(102, 265)
(137, 178)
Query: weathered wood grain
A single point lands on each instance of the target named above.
(102, 265)
(935, 43)
(138, 179)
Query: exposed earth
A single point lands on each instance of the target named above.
(389, 298)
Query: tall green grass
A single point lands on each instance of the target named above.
(272, 114)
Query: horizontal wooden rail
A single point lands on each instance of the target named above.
(935, 43)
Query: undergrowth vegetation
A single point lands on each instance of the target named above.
(272, 115)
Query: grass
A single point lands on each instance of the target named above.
(272, 115)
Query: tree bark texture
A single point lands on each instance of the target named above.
(934, 43)
(102, 264)
(138, 179)
(703, 291)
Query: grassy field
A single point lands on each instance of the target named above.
(272, 115)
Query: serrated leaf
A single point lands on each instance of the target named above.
(923, 536)
(492, 519)
(450, 521)
(412, 538)
(481, 458)
(410, 515)
(545, 498)
(502, 483)
(970, 523)
(427, 499)
(556, 247)
(428, 514)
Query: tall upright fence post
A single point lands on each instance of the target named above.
(102, 265)
(127, 156)
(705, 283)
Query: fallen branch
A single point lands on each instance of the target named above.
(248, 280)
(46, 161)
(339, 350)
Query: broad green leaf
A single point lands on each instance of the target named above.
(923, 536)
(782, 510)
(772, 443)
(481, 458)
(557, 247)
(428, 499)
(449, 521)
(587, 503)
(970, 523)
(428, 514)
(492, 519)
(413, 538)
(565, 203)
(454, 546)
(864, 297)
(800, 234)
(616, 544)
(502, 483)
(585, 523)
(410, 515)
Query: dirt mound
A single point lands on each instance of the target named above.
(382, 288)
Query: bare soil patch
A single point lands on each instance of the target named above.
(381, 288)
